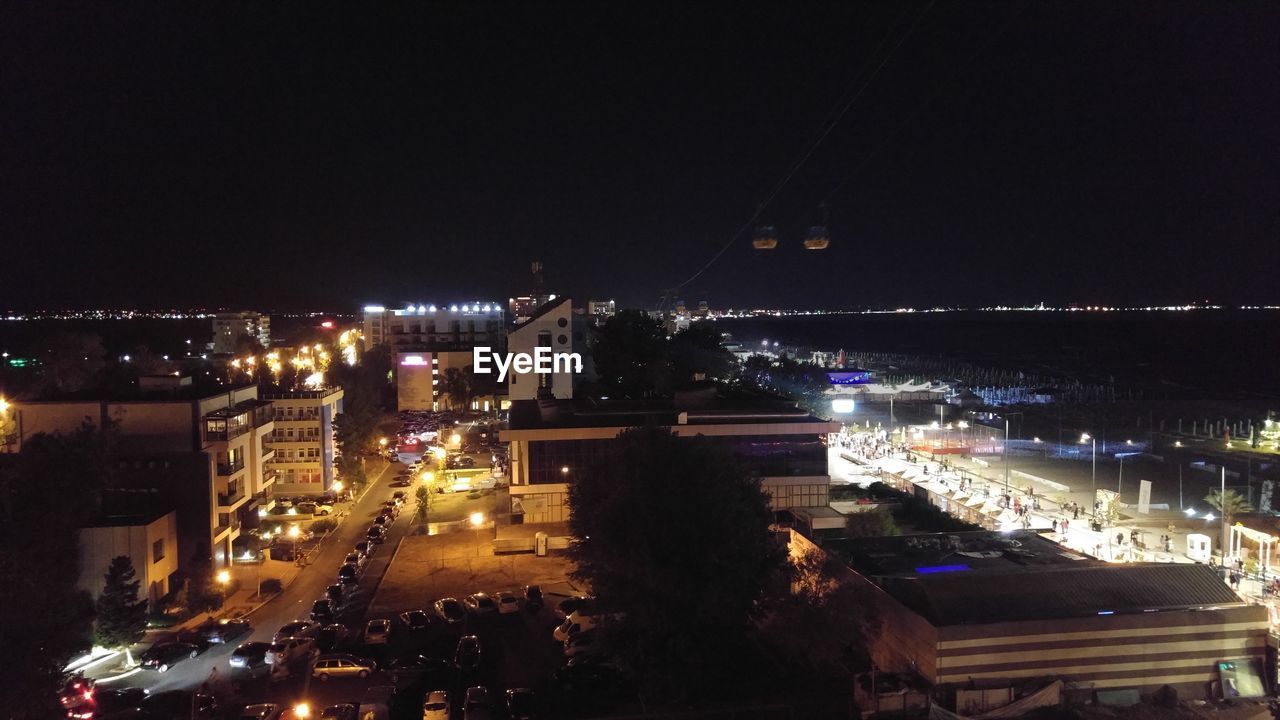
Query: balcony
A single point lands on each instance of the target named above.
(231, 468)
(268, 453)
(231, 498)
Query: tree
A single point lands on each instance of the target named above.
(45, 618)
(456, 385)
(202, 593)
(70, 362)
(689, 580)
(1229, 504)
(247, 345)
(697, 350)
(423, 495)
(631, 356)
(121, 617)
(877, 522)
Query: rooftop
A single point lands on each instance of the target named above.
(705, 409)
(987, 577)
(130, 508)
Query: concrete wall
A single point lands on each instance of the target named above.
(100, 545)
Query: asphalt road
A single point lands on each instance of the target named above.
(295, 602)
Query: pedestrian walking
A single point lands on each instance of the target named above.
(1076, 510)
(1055, 525)
(1064, 526)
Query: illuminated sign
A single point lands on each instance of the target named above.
(413, 360)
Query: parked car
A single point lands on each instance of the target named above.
(322, 611)
(330, 636)
(520, 704)
(250, 655)
(579, 643)
(416, 619)
(366, 548)
(349, 574)
(342, 665)
(383, 521)
(450, 610)
(297, 628)
(287, 650)
(399, 497)
(435, 706)
(570, 604)
(180, 704)
(225, 630)
(376, 534)
(261, 711)
(108, 702)
(355, 558)
(165, 655)
(480, 604)
(415, 666)
(468, 654)
(336, 593)
(377, 632)
(533, 597)
(313, 508)
(508, 602)
(476, 704)
(343, 711)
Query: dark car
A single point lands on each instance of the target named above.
(568, 605)
(331, 636)
(179, 705)
(345, 711)
(383, 520)
(468, 655)
(589, 682)
(416, 619)
(376, 534)
(410, 668)
(349, 574)
(109, 703)
(335, 593)
(398, 497)
(165, 655)
(450, 610)
(322, 611)
(250, 655)
(224, 631)
(533, 597)
(365, 547)
(520, 704)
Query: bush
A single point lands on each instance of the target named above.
(323, 525)
(270, 586)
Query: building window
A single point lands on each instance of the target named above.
(157, 550)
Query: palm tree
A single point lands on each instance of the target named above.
(1229, 504)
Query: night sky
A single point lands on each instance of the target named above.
(277, 156)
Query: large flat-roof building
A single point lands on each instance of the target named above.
(552, 440)
(229, 326)
(202, 448)
(456, 326)
(999, 608)
(301, 443)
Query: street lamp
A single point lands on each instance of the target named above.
(1087, 438)
(224, 577)
(302, 710)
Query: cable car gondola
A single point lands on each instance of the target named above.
(766, 238)
(817, 239)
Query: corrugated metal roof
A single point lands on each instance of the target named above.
(1059, 591)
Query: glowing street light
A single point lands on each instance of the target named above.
(1190, 512)
(337, 486)
(295, 532)
(302, 710)
(382, 442)
(224, 577)
(477, 519)
(564, 470)
(428, 477)
(455, 438)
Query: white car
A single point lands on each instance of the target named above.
(285, 651)
(377, 632)
(297, 628)
(508, 602)
(358, 559)
(436, 706)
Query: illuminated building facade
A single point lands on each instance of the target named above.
(302, 441)
(229, 326)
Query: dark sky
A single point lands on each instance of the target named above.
(283, 156)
